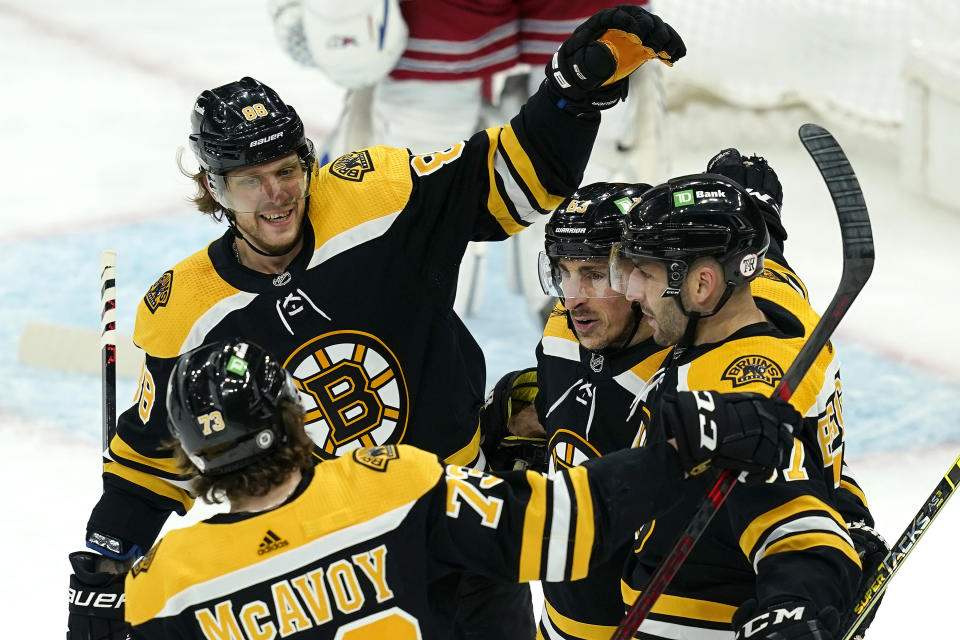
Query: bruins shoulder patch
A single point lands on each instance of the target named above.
(376, 458)
(159, 293)
(352, 166)
(747, 369)
(769, 274)
(143, 564)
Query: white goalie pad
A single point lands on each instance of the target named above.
(354, 43)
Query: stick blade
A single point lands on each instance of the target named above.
(844, 188)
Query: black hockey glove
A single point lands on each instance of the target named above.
(745, 432)
(506, 445)
(95, 599)
(786, 621)
(760, 180)
(589, 70)
(872, 549)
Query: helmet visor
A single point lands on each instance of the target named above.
(625, 270)
(261, 190)
(574, 277)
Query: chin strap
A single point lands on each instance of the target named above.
(236, 234)
(693, 318)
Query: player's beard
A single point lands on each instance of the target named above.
(671, 323)
(257, 231)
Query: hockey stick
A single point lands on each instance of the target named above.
(904, 545)
(858, 256)
(108, 346)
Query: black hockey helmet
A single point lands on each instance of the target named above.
(696, 216)
(245, 123)
(585, 226)
(222, 402)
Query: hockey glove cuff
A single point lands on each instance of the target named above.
(745, 432)
(587, 72)
(786, 621)
(95, 599)
(872, 549)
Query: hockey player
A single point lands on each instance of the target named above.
(399, 60)
(348, 271)
(364, 546)
(592, 362)
(778, 561)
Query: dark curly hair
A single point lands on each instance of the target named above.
(257, 479)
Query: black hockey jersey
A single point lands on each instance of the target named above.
(591, 405)
(363, 315)
(782, 540)
(586, 402)
(366, 544)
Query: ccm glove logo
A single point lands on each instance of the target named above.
(762, 621)
(708, 426)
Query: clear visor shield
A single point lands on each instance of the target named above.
(575, 278)
(620, 267)
(262, 191)
(627, 272)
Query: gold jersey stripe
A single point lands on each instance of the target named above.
(495, 202)
(584, 532)
(681, 607)
(581, 630)
(764, 522)
(804, 541)
(121, 449)
(534, 521)
(150, 483)
(467, 454)
(855, 490)
(521, 162)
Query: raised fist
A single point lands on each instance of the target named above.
(587, 72)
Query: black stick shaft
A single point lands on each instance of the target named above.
(108, 345)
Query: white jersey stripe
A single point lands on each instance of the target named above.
(559, 530)
(284, 562)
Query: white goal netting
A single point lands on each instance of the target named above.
(844, 62)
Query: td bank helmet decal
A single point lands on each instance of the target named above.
(353, 391)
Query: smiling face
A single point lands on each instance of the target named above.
(600, 316)
(268, 202)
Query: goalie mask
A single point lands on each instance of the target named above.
(242, 124)
(222, 404)
(580, 233)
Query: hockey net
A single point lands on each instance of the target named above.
(761, 67)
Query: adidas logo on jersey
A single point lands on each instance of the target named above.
(271, 542)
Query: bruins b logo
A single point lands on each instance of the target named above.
(747, 369)
(569, 449)
(353, 391)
